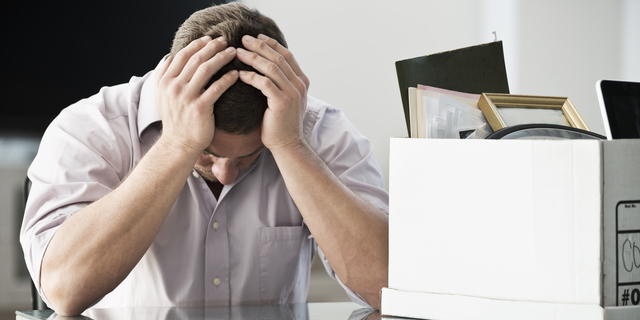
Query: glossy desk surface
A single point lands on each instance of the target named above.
(311, 311)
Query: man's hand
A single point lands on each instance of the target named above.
(185, 107)
(284, 85)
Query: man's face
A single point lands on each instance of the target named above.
(227, 155)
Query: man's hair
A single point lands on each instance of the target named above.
(241, 108)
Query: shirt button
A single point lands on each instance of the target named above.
(216, 281)
(215, 225)
(196, 175)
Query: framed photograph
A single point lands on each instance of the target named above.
(505, 110)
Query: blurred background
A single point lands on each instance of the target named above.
(56, 53)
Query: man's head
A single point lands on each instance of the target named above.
(241, 108)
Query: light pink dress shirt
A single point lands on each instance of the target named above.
(249, 246)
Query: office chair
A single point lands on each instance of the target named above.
(36, 301)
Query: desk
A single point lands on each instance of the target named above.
(311, 311)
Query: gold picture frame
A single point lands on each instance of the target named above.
(504, 110)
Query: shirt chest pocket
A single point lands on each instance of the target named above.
(285, 255)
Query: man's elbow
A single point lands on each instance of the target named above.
(368, 285)
(63, 300)
(372, 295)
(67, 309)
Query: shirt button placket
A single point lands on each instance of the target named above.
(217, 258)
(215, 225)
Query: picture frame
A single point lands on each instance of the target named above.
(504, 110)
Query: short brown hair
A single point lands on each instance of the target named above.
(241, 108)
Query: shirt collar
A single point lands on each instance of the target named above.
(147, 110)
(243, 174)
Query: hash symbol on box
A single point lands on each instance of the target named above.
(630, 297)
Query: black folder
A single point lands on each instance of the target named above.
(475, 69)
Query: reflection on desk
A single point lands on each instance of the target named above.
(315, 311)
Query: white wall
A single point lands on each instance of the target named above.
(566, 46)
(630, 45)
(552, 47)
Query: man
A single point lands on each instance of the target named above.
(169, 190)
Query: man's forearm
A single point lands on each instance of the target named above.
(97, 247)
(352, 233)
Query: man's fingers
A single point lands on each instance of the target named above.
(195, 64)
(269, 53)
(206, 70)
(287, 55)
(203, 55)
(270, 63)
(182, 57)
(159, 72)
(218, 87)
(266, 67)
(262, 83)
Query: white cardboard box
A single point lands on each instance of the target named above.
(542, 229)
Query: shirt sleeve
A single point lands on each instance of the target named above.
(347, 152)
(350, 156)
(80, 159)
